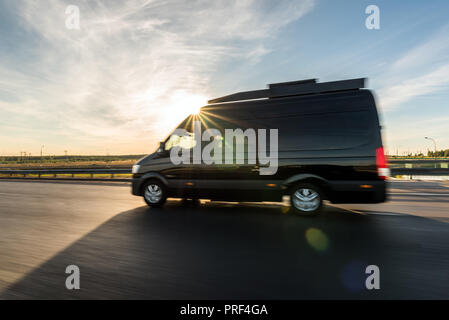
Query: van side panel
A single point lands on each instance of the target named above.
(333, 136)
(328, 138)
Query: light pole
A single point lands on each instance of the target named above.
(435, 148)
(42, 148)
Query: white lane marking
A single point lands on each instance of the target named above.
(353, 211)
(367, 212)
(384, 214)
(418, 194)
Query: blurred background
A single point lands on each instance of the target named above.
(114, 77)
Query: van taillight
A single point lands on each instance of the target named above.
(382, 165)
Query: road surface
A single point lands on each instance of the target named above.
(218, 250)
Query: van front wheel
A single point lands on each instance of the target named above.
(306, 199)
(154, 193)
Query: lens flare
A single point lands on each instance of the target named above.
(317, 239)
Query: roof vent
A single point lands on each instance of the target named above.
(293, 88)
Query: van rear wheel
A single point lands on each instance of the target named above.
(154, 193)
(306, 199)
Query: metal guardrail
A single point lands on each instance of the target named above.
(51, 174)
(418, 161)
(419, 172)
(419, 167)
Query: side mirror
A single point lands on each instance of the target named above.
(161, 148)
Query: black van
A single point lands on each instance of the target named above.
(329, 147)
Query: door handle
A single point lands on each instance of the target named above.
(255, 169)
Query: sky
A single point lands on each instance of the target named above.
(134, 69)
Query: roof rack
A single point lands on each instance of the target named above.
(293, 88)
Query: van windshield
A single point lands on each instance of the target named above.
(184, 141)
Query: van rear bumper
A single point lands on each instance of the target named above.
(358, 191)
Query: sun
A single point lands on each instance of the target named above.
(183, 104)
(179, 106)
(191, 104)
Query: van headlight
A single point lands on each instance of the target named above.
(136, 168)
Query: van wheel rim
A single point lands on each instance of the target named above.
(305, 199)
(153, 193)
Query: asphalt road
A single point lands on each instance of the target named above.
(218, 250)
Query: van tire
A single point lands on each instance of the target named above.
(154, 193)
(306, 199)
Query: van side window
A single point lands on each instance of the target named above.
(221, 123)
(322, 131)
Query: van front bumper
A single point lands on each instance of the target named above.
(136, 186)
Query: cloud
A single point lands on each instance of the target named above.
(436, 80)
(114, 79)
(422, 70)
(434, 50)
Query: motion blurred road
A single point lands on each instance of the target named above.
(216, 249)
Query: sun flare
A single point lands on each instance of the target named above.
(191, 104)
(179, 106)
